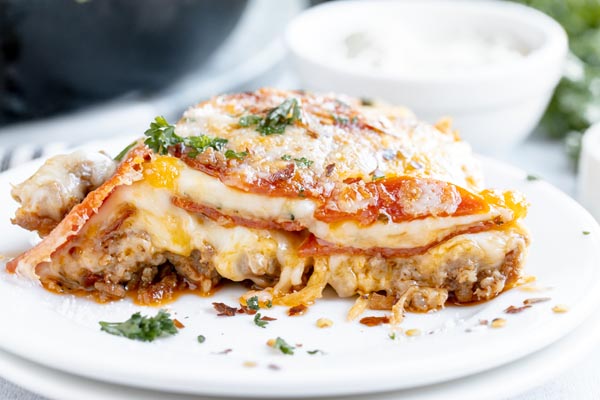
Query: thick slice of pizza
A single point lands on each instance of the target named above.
(291, 191)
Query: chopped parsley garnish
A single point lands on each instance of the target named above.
(200, 143)
(120, 156)
(201, 339)
(252, 303)
(276, 120)
(392, 335)
(531, 177)
(283, 346)
(342, 120)
(250, 120)
(259, 322)
(303, 162)
(269, 304)
(229, 154)
(586, 232)
(376, 177)
(142, 328)
(292, 217)
(313, 352)
(161, 135)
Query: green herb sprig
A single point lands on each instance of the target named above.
(276, 120)
(161, 135)
(143, 328)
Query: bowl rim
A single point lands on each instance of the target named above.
(554, 45)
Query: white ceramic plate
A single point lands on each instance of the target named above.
(498, 383)
(62, 332)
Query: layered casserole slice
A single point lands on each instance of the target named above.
(287, 190)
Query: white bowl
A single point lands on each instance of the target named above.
(493, 106)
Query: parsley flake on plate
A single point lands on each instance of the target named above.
(258, 321)
(143, 328)
(282, 345)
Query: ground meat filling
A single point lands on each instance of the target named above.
(159, 278)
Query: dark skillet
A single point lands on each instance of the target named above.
(57, 55)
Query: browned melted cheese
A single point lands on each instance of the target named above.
(380, 187)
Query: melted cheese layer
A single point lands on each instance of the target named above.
(240, 253)
(245, 253)
(209, 191)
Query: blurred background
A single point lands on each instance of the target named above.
(76, 70)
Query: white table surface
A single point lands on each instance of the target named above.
(538, 156)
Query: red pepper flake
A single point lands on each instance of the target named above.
(535, 300)
(178, 324)
(224, 310)
(483, 322)
(274, 367)
(226, 351)
(329, 169)
(297, 310)
(246, 310)
(516, 310)
(265, 318)
(374, 321)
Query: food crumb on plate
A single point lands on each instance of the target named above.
(413, 332)
(560, 309)
(324, 323)
(498, 323)
(535, 300)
